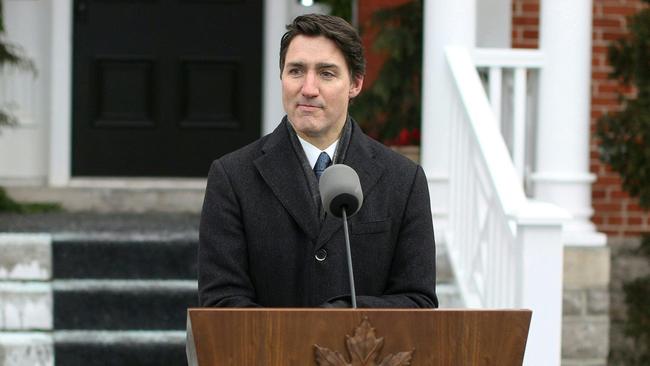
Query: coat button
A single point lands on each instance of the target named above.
(321, 254)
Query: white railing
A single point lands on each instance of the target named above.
(511, 78)
(505, 250)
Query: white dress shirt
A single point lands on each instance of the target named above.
(313, 152)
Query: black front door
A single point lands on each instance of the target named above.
(163, 87)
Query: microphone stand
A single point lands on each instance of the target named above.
(349, 255)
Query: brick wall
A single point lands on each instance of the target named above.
(616, 214)
(374, 59)
(525, 23)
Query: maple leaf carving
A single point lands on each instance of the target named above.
(363, 348)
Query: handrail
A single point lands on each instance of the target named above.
(508, 58)
(517, 65)
(483, 121)
(506, 251)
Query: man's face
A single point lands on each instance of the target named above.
(316, 89)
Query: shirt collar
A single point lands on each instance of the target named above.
(312, 152)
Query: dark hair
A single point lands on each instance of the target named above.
(335, 29)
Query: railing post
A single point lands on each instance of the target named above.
(519, 123)
(495, 86)
(539, 239)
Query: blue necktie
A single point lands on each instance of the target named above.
(321, 164)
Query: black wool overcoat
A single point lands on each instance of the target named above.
(262, 242)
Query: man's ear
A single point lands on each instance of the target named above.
(355, 86)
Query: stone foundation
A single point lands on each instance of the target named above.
(627, 265)
(585, 328)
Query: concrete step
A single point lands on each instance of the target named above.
(123, 348)
(133, 257)
(119, 195)
(122, 304)
(25, 305)
(26, 348)
(103, 225)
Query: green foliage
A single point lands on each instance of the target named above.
(625, 135)
(10, 54)
(9, 205)
(6, 120)
(637, 326)
(340, 8)
(625, 145)
(390, 110)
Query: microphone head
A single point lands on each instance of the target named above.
(340, 187)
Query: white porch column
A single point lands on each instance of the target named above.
(276, 17)
(445, 23)
(562, 167)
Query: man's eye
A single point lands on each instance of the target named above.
(294, 72)
(327, 74)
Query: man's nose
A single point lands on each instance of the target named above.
(310, 85)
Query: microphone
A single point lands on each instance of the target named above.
(340, 192)
(340, 188)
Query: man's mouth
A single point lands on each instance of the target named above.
(309, 106)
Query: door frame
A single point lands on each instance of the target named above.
(60, 100)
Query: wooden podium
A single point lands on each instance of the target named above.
(338, 337)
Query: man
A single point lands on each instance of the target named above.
(265, 239)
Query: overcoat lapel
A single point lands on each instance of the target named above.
(281, 170)
(360, 157)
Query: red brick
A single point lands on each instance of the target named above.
(600, 75)
(532, 7)
(612, 36)
(619, 9)
(607, 207)
(598, 194)
(526, 45)
(531, 34)
(615, 220)
(525, 21)
(619, 194)
(594, 155)
(595, 114)
(605, 87)
(635, 220)
(598, 220)
(605, 180)
(599, 50)
(629, 232)
(634, 207)
(604, 101)
(608, 22)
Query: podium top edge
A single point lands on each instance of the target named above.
(358, 310)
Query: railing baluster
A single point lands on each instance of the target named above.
(495, 86)
(519, 122)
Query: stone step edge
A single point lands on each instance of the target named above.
(136, 199)
(25, 338)
(121, 285)
(172, 337)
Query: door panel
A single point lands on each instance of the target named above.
(162, 88)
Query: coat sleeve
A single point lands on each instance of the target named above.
(222, 255)
(412, 278)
